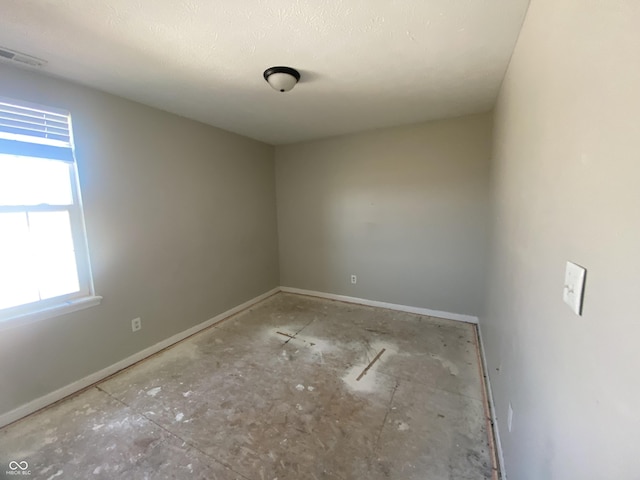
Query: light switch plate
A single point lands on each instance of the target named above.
(574, 287)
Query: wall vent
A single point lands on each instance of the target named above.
(23, 58)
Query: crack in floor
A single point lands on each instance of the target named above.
(384, 421)
(293, 337)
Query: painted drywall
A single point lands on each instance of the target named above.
(181, 225)
(405, 209)
(565, 182)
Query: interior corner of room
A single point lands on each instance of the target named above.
(469, 217)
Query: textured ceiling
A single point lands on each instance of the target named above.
(364, 63)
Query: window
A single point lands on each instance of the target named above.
(44, 264)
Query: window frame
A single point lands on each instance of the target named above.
(85, 296)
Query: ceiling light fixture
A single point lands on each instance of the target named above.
(281, 79)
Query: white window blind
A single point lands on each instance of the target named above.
(30, 130)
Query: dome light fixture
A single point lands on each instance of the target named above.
(281, 79)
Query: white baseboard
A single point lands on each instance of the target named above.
(89, 380)
(391, 306)
(492, 408)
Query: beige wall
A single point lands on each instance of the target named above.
(566, 185)
(181, 225)
(405, 209)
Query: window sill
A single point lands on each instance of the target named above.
(50, 312)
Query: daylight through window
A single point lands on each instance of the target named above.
(43, 252)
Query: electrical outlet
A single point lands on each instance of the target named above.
(510, 417)
(573, 292)
(136, 324)
(354, 279)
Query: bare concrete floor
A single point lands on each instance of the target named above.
(277, 392)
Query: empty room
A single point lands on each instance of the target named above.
(320, 240)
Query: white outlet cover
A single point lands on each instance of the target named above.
(510, 417)
(136, 324)
(573, 292)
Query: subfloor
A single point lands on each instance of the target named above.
(284, 390)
